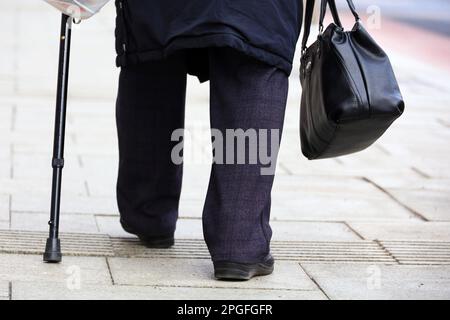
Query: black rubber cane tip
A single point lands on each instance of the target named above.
(52, 252)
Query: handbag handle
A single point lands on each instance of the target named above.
(323, 8)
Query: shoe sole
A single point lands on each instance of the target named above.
(238, 272)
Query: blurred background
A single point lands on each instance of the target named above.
(416, 28)
(413, 153)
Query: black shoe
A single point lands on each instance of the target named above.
(158, 242)
(225, 270)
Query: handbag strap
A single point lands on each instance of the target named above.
(334, 12)
(323, 8)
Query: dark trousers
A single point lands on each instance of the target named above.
(245, 94)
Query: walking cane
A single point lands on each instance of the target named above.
(53, 246)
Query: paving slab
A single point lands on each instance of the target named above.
(52, 291)
(36, 79)
(7, 86)
(5, 156)
(407, 230)
(80, 223)
(42, 187)
(286, 187)
(40, 167)
(316, 204)
(320, 207)
(296, 164)
(40, 117)
(199, 273)
(111, 226)
(99, 147)
(4, 225)
(186, 228)
(14, 267)
(6, 117)
(410, 181)
(312, 231)
(101, 188)
(102, 245)
(192, 191)
(382, 282)
(316, 197)
(5, 143)
(102, 184)
(8, 22)
(5, 168)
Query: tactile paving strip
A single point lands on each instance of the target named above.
(332, 252)
(364, 251)
(419, 252)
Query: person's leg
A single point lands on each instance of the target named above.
(245, 94)
(150, 106)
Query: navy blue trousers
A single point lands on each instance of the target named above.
(244, 94)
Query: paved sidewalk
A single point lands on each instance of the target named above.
(371, 225)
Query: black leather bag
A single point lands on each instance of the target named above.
(350, 95)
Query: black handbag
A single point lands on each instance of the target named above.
(350, 95)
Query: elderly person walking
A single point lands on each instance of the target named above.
(244, 48)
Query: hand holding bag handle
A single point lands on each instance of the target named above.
(309, 11)
(334, 12)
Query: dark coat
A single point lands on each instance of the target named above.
(265, 29)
